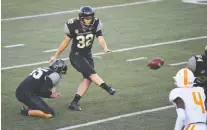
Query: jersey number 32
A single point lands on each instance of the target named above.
(84, 41)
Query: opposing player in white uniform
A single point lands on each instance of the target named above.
(189, 101)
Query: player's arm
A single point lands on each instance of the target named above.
(180, 108)
(48, 90)
(103, 44)
(45, 90)
(100, 38)
(174, 97)
(64, 43)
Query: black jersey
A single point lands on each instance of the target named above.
(82, 35)
(201, 65)
(40, 81)
(198, 64)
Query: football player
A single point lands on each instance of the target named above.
(198, 65)
(82, 31)
(189, 102)
(40, 84)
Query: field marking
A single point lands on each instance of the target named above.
(201, 2)
(16, 45)
(180, 63)
(118, 50)
(116, 117)
(98, 57)
(71, 11)
(52, 50)
(135, 59)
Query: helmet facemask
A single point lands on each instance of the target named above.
(86, 13)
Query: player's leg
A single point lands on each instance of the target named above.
(82, 89)
(98, 81)
(22, 97)
(85, 65)
(196, 126)
(40, 108)
(95, 78)
(201, 126)
(36, 106)
(76, 62)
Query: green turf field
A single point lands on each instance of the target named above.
(138, 88)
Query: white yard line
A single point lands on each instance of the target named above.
(71, 11)
(52, 50)
(118, 50)
(180, 63)
(135, 59)
(115, 118)
(145, 46)
(201, 2)
(99, 57)
(16, 45)
(162, 43)
(25, 65)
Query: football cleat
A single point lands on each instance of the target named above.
(24, 111)
(111, 91)
(74, 106)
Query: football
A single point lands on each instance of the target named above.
(155, 63)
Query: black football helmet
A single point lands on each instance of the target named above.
(58, 66)
(86, 12)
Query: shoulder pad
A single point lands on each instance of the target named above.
(55, 77)
(200, 89)
(96, 19)
(174, 94)
(72, 20)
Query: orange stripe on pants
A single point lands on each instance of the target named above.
(190, 128)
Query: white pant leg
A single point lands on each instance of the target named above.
(198, 126)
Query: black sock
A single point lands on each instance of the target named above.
(105, 86)
(76, 98)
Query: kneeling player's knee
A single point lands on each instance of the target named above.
(48, 116)
(50, 111)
